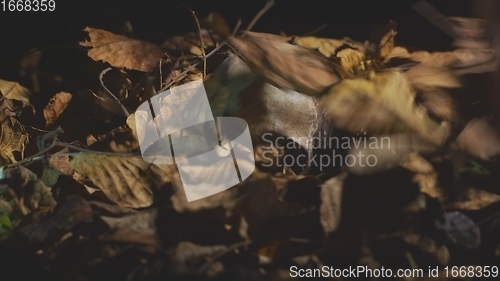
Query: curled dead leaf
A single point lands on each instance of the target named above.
(56, 106)
(121, 51)
(25, 192)
(13, 138)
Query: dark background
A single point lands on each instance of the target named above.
(59, 32)
(162, 18)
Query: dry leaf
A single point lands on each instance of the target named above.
(13, 138)
(72, 212)
(389, 153)
(56, 106)
(423, 76)
(285, 65)
(456, 58)
(440, 103)
(14, 91)
(387, 44)
(25, 192)
(350, 58)
(382, 104)
(326, 46)
(121, 51)
(128, 181)
(480, 139)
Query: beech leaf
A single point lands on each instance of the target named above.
(285, 65)
(121, 51)
(128, 181)
(14, 91)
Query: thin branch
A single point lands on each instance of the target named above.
(267, 6)
(101, 76)
(237, 27)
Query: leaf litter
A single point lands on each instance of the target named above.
(79, 202)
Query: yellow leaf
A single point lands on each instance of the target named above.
(382, 104)
(121, 51)
(55, 107)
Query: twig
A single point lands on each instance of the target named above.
(202, 44)
(101, 76)
(267, 6)
(237, 27)
(316, 30)
(191, 67)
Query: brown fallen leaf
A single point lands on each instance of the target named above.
(121, 51)
(12, 91)
(423, 76)
(129, 181)
(383, 103)
(458, 58)
(285, 65)
(13, 138)
(480, 139)
(56, 106)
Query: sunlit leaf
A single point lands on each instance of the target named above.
(128, 181)
(121, 51)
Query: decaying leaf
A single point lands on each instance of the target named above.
(13, 138)
(9, 91)
(456, 58)
(128, 181)
(56, 106)
(423, 76)
(285, 65)
(121, 51)
(383, 103)
(480, 139)
(25, 192)
(326, 46)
